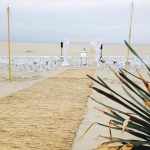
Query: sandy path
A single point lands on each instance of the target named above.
(46, 115)
(22, 80)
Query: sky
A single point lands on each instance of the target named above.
(77, 20)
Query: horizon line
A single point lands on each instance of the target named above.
(56, 42)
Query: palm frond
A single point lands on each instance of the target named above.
(136, 120)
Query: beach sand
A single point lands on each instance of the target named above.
(22, 80)
(46, 115)
(30, 116)
(53, 49)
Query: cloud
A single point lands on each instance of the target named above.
(61, 5)
(78, 19)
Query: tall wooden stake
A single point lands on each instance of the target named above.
(9, 49)
(130, 33)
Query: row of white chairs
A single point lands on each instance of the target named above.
(48, 63)
(30, 63)
(113, 61)
(120, 62)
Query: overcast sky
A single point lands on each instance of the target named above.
(78, 20)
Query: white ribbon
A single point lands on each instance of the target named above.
(65, 52)
(96, 45)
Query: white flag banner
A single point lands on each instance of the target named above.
(65, 52)
(96, 45)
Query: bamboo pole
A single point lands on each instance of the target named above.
(130, 33)
(9, 49)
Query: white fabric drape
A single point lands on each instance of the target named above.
(96, 45)
(65, 52)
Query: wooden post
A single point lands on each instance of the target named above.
(9, 49)
(130, 33)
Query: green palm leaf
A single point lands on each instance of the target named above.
(138, 124)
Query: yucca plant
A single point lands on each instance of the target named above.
(136, 121)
